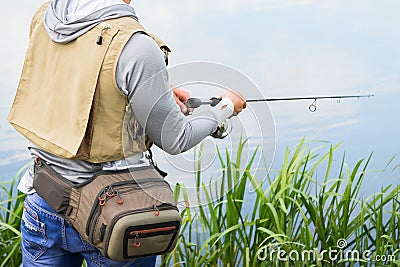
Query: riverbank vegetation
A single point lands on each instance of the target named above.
(11, 207)
(294, 218)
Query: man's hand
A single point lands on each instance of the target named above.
(237, 99)
(180, 97)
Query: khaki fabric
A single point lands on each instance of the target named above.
(125, 215)
(68, 102)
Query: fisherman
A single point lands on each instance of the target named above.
(87, 61)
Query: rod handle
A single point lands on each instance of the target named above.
(197, 102)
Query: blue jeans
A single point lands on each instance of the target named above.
(48, 240)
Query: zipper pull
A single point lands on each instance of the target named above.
(136, 242)
(106, 26)
(38, 162)
(107, 193)
(110, 192)
(120, 200)
(156, 211)
(102, 198)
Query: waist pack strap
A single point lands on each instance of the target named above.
(52, 187)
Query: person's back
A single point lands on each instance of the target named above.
(93, 91)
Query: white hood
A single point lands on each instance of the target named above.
(66, 20)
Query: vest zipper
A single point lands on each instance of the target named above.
(105, 26)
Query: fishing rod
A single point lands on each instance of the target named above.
(213, 101)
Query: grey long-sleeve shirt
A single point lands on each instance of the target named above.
(141, 75)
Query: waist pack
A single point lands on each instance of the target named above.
(124, 215)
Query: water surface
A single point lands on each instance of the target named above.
(288, 48)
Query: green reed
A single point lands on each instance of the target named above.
(293, 212)
(11, 207)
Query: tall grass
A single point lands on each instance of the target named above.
(292, 213)
(11, 207)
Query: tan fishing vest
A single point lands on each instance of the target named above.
(68, 102)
